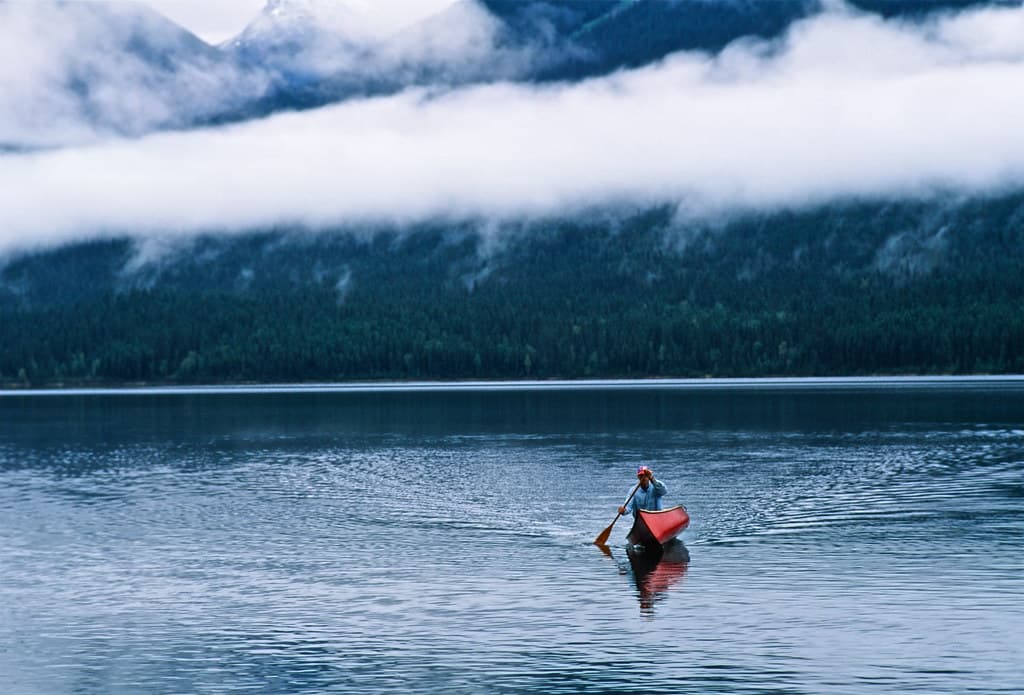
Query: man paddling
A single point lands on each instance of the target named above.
(647, 496)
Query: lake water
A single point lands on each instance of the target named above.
(847, 537)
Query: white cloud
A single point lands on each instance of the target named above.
(76, 72)
(847, 106)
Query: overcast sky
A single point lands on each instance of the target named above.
(217, 20)
(847, 106)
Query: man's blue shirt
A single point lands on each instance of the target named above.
(649, 499)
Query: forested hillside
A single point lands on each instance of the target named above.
(902, 288)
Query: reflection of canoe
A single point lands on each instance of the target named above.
(656, 570)
(654, 529)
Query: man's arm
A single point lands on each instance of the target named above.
(627, 508)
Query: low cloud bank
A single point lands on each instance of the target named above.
(846, 105)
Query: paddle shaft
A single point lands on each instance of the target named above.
(602, 538)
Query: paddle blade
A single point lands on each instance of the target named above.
(602, 538)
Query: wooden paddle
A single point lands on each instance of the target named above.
(602, 538)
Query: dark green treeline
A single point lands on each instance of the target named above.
(860, 289)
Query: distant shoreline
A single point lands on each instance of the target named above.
(759, 383)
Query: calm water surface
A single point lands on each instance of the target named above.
(846, 538)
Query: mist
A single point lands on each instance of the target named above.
(325, 48)
(78, 73)
(844, 106)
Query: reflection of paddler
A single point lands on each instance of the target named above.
(656, 570)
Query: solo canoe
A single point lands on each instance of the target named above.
(654, 529)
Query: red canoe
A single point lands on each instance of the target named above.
(658, 528)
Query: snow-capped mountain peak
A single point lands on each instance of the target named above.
(304, 36)
(328, 15)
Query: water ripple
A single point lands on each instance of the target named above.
(280, 545)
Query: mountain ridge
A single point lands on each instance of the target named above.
(248, 77)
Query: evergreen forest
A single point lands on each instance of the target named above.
(927, 287)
